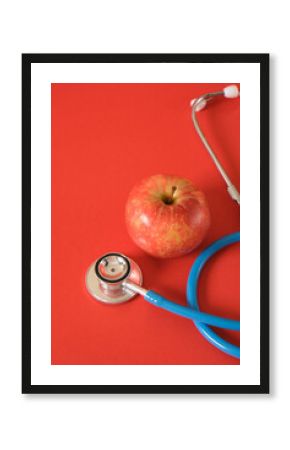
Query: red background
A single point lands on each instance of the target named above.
(105, 138)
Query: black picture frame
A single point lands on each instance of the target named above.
(263, 61)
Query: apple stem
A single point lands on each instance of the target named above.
(169, 199)
(173, 190)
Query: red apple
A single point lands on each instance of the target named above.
(167, 216)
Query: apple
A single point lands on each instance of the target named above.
(167, 216)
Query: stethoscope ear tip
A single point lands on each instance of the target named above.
(231, 91)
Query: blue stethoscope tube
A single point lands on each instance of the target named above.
(202, 321)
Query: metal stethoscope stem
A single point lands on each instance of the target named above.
(197, 105)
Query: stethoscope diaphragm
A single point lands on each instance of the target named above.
(105, 279)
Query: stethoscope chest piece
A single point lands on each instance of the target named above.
(106, 278)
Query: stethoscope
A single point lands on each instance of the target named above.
(114, 278)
